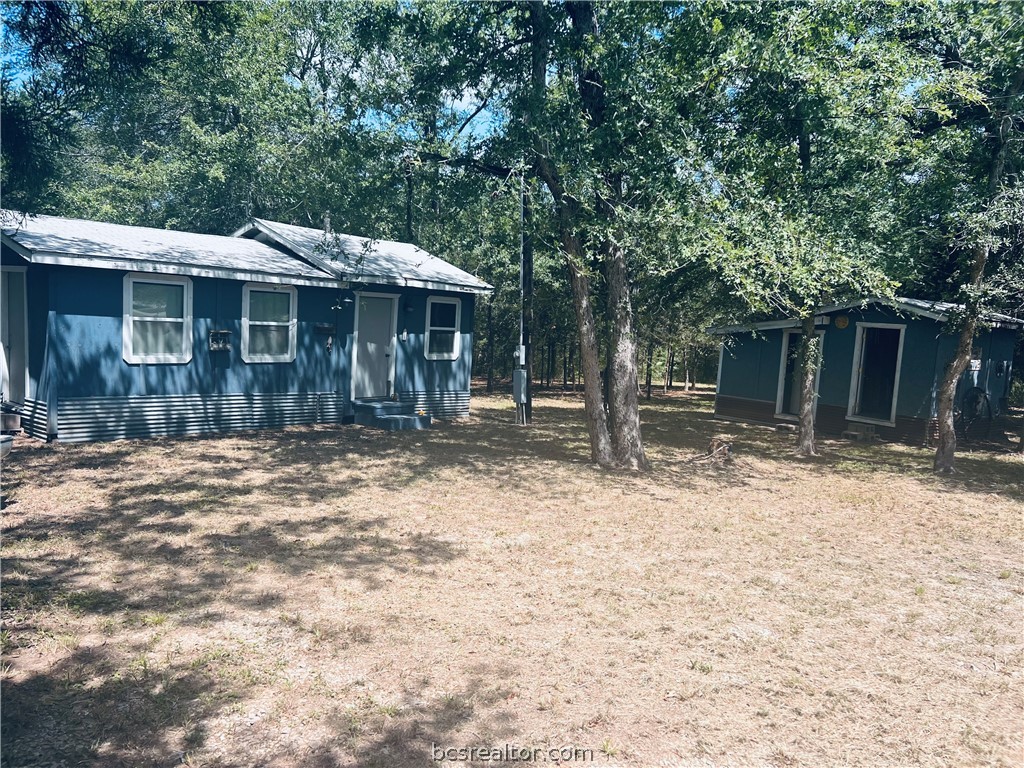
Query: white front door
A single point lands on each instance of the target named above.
(373, 364)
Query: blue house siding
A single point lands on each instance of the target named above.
(96, 394)
(749, 373)
(917, 366)
(82, 387)
(87, 391)
(40, 400)
(748, 377)
(87, 354)
(438, 387)
(996, 368)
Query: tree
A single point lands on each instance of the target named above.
(965, 180)
(571, 88)
(790, 156)
(804, 136)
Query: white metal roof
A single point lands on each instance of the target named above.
(76, 242)
(936, 310)
(362, 259)
(941, 310)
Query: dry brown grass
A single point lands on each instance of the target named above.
(340, 596)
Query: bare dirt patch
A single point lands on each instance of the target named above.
(340, 596)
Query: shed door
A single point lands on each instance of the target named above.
(373, 366)
(789, 400)
(876, 388)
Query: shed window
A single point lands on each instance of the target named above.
(157, 322)
(268, 323)
(443, 336)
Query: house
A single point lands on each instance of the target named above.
(113, 331)
(881, 366)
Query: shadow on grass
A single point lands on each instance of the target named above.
(143, 518)
(423, 725)
(686, 424)
(181, 545)
(134, 716)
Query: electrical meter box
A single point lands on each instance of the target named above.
(519, 386)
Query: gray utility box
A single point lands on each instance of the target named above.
(519, 386)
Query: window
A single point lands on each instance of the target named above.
(268, 323)
(157, 323)
(443, 336)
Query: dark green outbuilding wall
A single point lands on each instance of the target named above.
(749, 372)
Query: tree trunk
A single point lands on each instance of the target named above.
(542, 355)
(622, 371)
(408, 203)
(809, 353)
(597, 420)
(686, 368)
(568, 216)
(650, 364)
(490, 345)
(1020, 445)
(572, 363)
(945, 451)
(551, 361)
(608, 404)
(668, 367)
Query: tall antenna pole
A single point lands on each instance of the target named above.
(521, 375)
(521, 351)
(519, 392)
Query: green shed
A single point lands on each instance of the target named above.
(881, 366)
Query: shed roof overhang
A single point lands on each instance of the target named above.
(940, 311)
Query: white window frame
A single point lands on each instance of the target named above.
(293, 322)
(127, 337)
(781, 390)
(454, 354)
(855, 375)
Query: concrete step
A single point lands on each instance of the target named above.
(396, 422)
(383, 407)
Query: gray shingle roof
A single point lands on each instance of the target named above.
(52, 239)
(365, 260)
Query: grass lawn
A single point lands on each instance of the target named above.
(341, 596)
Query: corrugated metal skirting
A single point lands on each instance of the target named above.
(35, 419)
(118, 418)
(441, 405)
(330, 408)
